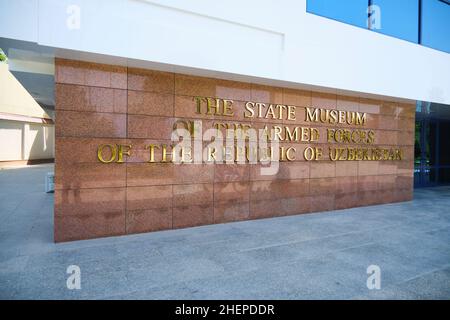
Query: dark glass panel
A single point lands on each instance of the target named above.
(349, 11)
(444, 176)
(398, 18)
(436, 24)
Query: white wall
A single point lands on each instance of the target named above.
(15, 99)
(26, 141)
(11, 133)
(274, 42)
(23, 136)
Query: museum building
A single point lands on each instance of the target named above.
(175, 115)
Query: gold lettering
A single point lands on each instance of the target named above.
(188, 125)
(324, 115)
(123, 150)
(165, 153)
(113, 151)
(212, 154)
(249, 112)
(270, 112)
(333, 154)
(228, 108)
(330, 135)
(260, 106)
(371, 137)
(198, 101)
(311, 153)
(281, 108)
(333, 116)
(314, 134)
(240, 154)
(277, 133)
(212, 106)
(152, 147)
(292, 135)
(351, 155)
(228, 154)
(361, 119)
(312, 115)
(305, 134)
(291, 113)
(186, 154)
(342, 115)
(288, 156)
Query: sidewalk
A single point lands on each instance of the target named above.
(314, 256)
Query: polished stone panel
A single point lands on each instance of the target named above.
(89, 175)
(143, 174)
(347, 103)
(368, 198)
(267, 94)
(74, 150)
(346, 200)
(193, 205)
(346, 185)
(324, 202)
(294, 170)
(192, 194)
(232, 172)
(324, 100)
(149, 197)
(150, 103)
(131, 108)
(69, 71)
(228, 211)
(322, 186)
(152, 81)
(186, 85)
(298, 98)
(265, 208)
(91, 124)
(88, 225)
(140, 152)
(139, 221)
(149, 127)
(368, 183)
(232, 191)
(323, 169)
(346, 169)
(193, 215)
(82, 201)
(278, 189)
(90, 74)
(193, 173)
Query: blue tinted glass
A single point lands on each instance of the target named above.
(436, 24)
(398, 18)
(350, 11)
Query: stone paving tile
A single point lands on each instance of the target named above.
(313, 256)
(389, 293)
(433, 285)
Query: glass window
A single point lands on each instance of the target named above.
(349, 11)
(431, 152)
(417, 145)
(444, 150)
(436, 24)
(399, 18)
(431, 138)
(444, 176)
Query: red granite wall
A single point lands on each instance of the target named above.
(102, 104)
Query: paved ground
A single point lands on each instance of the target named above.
(316, 256)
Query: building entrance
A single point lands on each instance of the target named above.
(432, 145)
